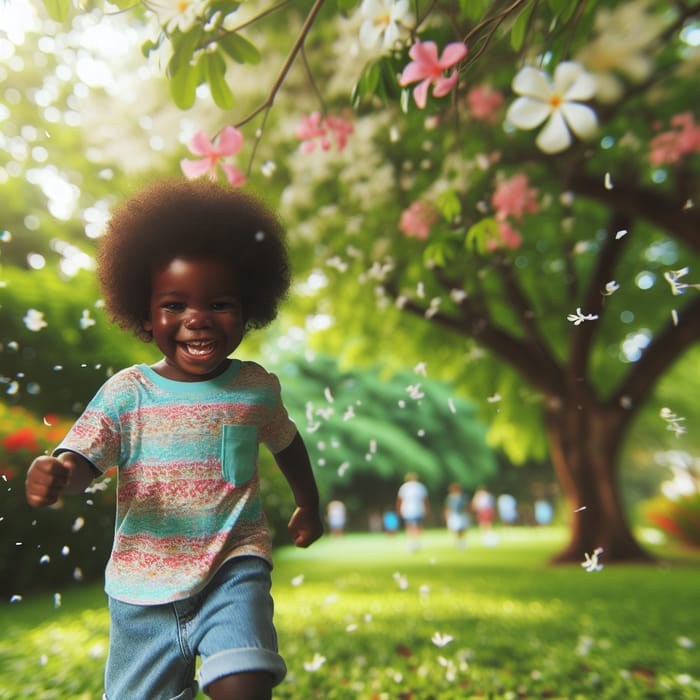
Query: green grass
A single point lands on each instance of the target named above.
(356, 618)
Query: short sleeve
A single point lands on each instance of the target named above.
(95, 435)
(279, 429)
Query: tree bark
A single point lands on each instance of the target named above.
(585, 438)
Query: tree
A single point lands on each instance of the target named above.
(541, 260)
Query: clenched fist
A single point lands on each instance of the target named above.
(48, 477)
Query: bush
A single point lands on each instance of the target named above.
(46, 548)
(679, 518)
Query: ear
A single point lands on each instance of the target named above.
(147, 324)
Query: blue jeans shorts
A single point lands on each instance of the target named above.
(153, 648)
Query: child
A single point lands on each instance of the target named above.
(190, 266)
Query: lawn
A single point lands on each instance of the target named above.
(361, 617)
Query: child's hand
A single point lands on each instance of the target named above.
(305, 526)
(46, 478)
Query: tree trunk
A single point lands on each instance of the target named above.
(585, 438)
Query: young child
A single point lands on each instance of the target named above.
(192, 267)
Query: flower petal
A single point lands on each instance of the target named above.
(192, 169)
(412, 73)
(452, 53)
(420, 93)
(526, 113)
(200, 144)
(573, 82)
(234, 176)
(581, 118)
(370, 34)
(444, 84)
(531, 82)
(230, 141)
(555, 136)
(424, 52)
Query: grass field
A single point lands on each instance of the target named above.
(361, 617)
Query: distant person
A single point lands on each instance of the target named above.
(391, 522)
(337, 516)
(507, 508)
(413, 507)
(456, 515)
(484, 506)
(543, 512)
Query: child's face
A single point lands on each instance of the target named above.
(195, 316)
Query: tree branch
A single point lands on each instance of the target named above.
(608, 257)
(289, 61)
(666, 348)
(658, 208)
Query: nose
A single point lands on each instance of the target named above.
(197, 319)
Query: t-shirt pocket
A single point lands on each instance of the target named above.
(239, 448)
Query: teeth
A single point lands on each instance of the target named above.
(199, 348)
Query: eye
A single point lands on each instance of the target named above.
(174, 306)
(225, 306)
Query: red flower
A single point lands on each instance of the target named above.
(22, 439)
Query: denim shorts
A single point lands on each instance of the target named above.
(153, 648)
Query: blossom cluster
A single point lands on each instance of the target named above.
(682, 139)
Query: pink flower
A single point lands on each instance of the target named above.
(417, 219)
(513, 198)
(429, 70)
(509, 238)
(484, 103)
(316, 129)
(670, 146)
(341, 130)
(228, 143)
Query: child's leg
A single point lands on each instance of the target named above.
(242, 686)
(145, 657)
(234, 633)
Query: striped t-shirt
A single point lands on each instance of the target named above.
(188, 488)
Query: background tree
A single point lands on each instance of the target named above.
(540, 260)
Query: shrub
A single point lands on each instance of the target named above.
(679, 518)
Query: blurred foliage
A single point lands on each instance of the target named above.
(490, 321)
(45, 549)
(678, 517)
(366, 429)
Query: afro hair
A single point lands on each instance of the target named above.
(198, 218)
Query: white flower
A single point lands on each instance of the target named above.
(34, 320)
(177, 14)
(441, 640)
(86, 321)
(579, 317)
(624, 36)
(384, 23)
(556, 101)
(315, 663)
(592, 563)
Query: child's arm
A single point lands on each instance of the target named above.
(305, 525)
(48, 477)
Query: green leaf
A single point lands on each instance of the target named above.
(449, 205)
(58, 10)
(438, 253)
(519, 29)
(239, 48)
(367, 84)
(183, 84)
(480, 234)
(184, 46)
(215, 74)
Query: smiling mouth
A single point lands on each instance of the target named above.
(200, 348)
